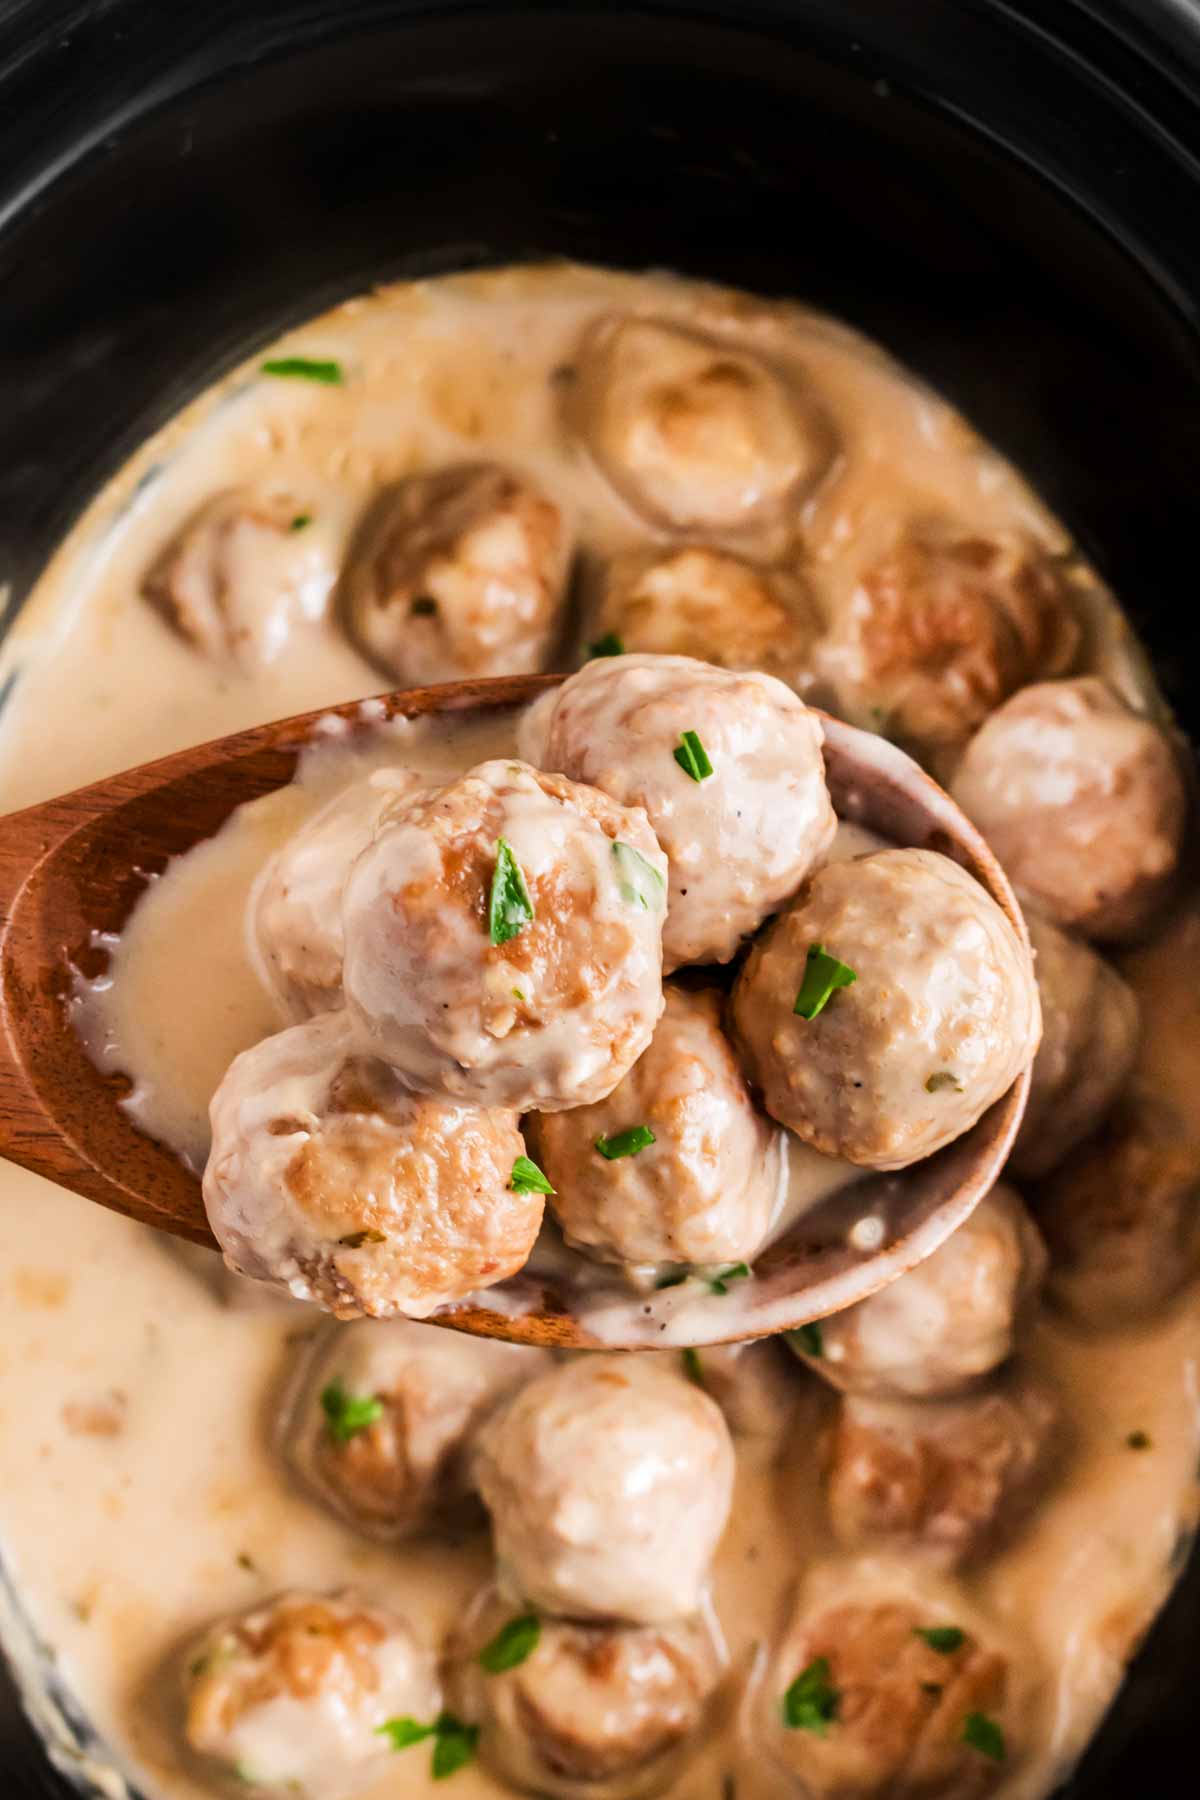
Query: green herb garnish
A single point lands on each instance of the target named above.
(511, 1644)
(941, 1079)
(305, 368)
(811, 1704)
(719, 1284)
(455, 1746)
(822, 975)
(639, 882)
(510, 909)
(808, 1338)
(983, 1734)
(300, 521)
(527, 1178)
(945, 1639)
(625, 1143)
(405, 1732)
(692, 757)
(673, 1278)
(347, 1414)
(692, 1367)
(608, 645)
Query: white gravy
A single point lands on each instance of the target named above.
(141, 1495)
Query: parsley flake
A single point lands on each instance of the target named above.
(510, 908)
(305, 368)
(811, 1703)
(983, 1734)
(300, 521)
(945, 1639)
(511, 1644)
(673, 1278)
(404, 1732)
(455, 1746)
(940, 1080)
(692, 1366)
(608, 645)
(527, 1178)
(692, 757)
(822, 975)
(347, 1414)
(625, 1143)
(719, 1284)
(808, 1339)
(639, 882)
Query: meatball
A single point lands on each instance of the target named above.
(593, 1709)
(1090, 1027)
(945, 625)
(949, 1481)
(948, 1322)
(294, 918)
(697, 434)
(382, 1418)
(609, 1481)
(1082, 801)
(458, 574)
(887, 1687)
(727, 766)
(292, 1697)
(701, 602)
(887, 1008)
(706, 1186)
(1121, 1217)
(504, 939)
(331, 1180)
(239, 574)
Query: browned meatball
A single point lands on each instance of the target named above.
(1082, 801)
(592, 1709)
(945, 625)
(860, 1703)
(1090, 1027)
(457, 574)
(696, 601)
(949, 1481)
(330, 1179)
(382, 1417)
(237, 577)
(1121, 1217)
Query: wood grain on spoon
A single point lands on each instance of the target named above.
(73, 868)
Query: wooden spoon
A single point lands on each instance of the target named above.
(72, 869)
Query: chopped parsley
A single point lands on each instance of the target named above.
(1139, 1440)
(692, 757)
(625, 1143)
(808, 1338)
(639, 882)
(692, 1366)
(822, 975)
(527, 1178)
(510, 908)
(305, 368)
(673, 1278)
(454, 1742)
(511, 1644)
(300, 521)
(942, 1079)
(347, 1414)
(424, 607)
(719, 1283)
(811, 1703)
(405, 1732)
(945, 1639)
(983, 1734)
(608, 645)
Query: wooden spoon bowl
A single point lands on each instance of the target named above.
(72, 869)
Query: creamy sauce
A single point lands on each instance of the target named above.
(142, 1495)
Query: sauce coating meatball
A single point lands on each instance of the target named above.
(1082, 801)
(382, 1418)
(609, 1482)
(944, 625)
(948, 1322)
(704, 603)
(593, 1709)
(237, 577)
(294, 917)
(705, 1190)
(741, 838)
(291, 1697)
(861, 1703)
(1121, 1217)
(458, 573)
(330, 1179)
(697, 434)
(949, 1481)
(1090, 1027)
(504, 939)
(941, 1016)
